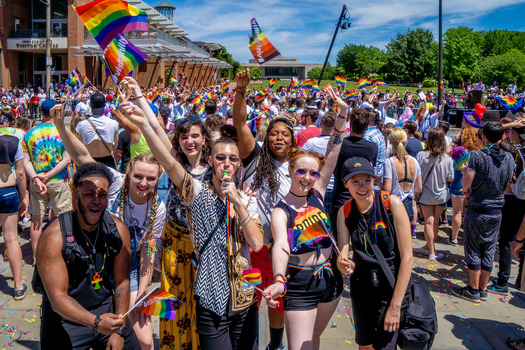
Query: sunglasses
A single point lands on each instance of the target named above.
(222, 158)
(314, 175)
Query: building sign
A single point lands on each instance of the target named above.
(34, 44)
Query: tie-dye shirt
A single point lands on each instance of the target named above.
(45, 148)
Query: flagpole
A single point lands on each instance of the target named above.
(140, 301)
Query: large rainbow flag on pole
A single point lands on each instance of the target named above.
(261, 48)
(121, 57)
(105, 19)
(158, 303)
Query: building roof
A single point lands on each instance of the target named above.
(165, 4)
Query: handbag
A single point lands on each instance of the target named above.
(418, 326)
(417, 196)
(101, 139)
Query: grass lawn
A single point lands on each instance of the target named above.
(349, 86)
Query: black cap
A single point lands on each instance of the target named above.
(355, 166)
(98, 102)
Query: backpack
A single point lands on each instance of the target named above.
(68, 248)
(419, 324)
(519, 187)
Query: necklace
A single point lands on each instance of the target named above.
(293, 194)
(97, 278)
(374, 223)
(93, 249)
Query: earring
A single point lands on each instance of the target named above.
(76, 200)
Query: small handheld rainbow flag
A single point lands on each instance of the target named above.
(308, 84)
(174, 81)
(182, 76)
(24, 107)
(225, 88)
(158, 303)
(315, 88)
(197, 100)
(362, 83)
(272, 82)
(155, 96)
(380, 83)
(252, 276)
(351, 95)
(340, 80)
(208, 95)
(260, 96)
(327, 86)
(117, 99)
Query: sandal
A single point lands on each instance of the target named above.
(516, 344)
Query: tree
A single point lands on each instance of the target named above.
(255, 73)
(461, 53)
(224, 56)
(370, 61)
(498, 42)
(329, 72)
(504, 68)
(411, 56)
(347, 59)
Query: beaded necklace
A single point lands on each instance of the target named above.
(96, 276)
(374, 225)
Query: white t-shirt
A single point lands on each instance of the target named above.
(274, 110)
(82, 108)
(106, 127)
(389, 172)
(435, 189)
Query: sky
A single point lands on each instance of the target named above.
(304, 28)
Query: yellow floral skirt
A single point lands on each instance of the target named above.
(177, 278)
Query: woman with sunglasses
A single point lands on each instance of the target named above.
(303, 248)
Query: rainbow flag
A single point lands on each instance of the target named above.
(340, 80)
(24, 107)
(208, 95)
(197, 100)
(182, 76)
(154, 97)
(260, 96)
(362, 83)
(271, 84)
(315, 88)
(85, 81)
(201, 111)
(327, 86)
(106, 19)
(122, 57)
(510, 102)
(351, 95)
(308, 84)
(309, 228)
(225, 88)
(261, 48)
(117, 99)
(252, 276)
(380, 83)
(174, 81)
(159, 303)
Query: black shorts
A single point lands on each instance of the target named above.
(311, 285)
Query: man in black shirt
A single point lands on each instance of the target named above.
(353, 146)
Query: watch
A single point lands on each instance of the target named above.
(122, 332)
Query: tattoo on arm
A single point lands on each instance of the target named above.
(336, 139)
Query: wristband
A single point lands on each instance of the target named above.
(97, 321)
(285, 288)
(341, 116)
(338, 131)
(279, 275)
(519, 241)
(139, 96)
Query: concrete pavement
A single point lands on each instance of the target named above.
(462, 324)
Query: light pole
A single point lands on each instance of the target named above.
(48, 49)
(440, 59)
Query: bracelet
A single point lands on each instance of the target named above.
(519, 241)
(338, 131)
(139, 96)
(243, 220)
(341, 116)
(285, 288)
(246, 223)
(279, 275)
(241, 90)
(97, 321)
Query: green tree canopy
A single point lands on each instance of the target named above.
(504, 68)
(498, 42)
(359, 60)
(224, 56)
(329, 72)
(411, 56)
(461, 53)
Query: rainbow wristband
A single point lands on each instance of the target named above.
(285, 288)
(341, 116)
(338, 131)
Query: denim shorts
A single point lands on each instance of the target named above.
(9, 200)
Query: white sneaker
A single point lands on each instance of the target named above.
(433, 257)
(421, 250)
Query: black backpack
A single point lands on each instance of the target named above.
(68, 248)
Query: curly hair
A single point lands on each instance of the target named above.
(469, 139)
(266, 169)
(184, 128)
(295, 153)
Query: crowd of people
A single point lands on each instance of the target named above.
(305, 187)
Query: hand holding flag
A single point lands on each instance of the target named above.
(157, 303)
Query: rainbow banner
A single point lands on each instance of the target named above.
(174, 81)
(260, 96)
(510, 102)
(272, 83)
(225, 88)
(158, 303)
(122, 57)
(308, 84)
(182, 76)
(252, 276)
(106, 19)
(261, 48)
(340, 80)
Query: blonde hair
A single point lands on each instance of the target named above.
(398, 137)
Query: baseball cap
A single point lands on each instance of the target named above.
(98, 102)
(109, 97)
(355, 166)
(521, 132)
(47, 105)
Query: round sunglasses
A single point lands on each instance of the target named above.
(314, 175)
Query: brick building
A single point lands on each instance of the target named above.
(22, 46)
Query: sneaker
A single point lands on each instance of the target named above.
(452, 240)
(20, 293)
(465, 294)
(421, 251)
(433, 257)
(495, 288)
(483, 295)
(281, 347)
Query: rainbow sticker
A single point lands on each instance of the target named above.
(357, 164)
(380, 224)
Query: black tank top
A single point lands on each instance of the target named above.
(81, 270)
(307, 230)
(8, 147)
(380, 230)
